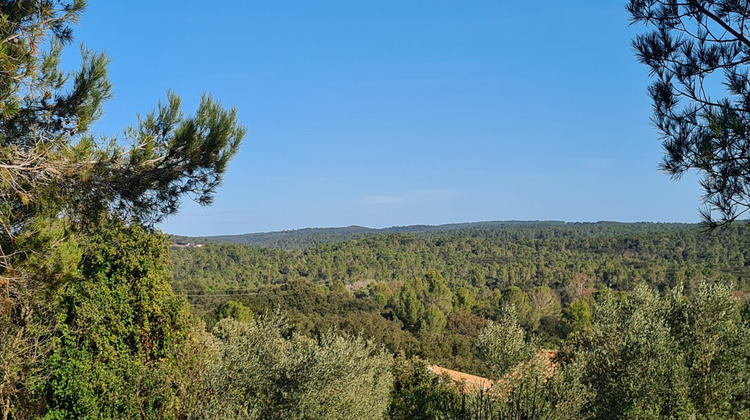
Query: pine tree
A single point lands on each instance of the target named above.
(52, 165)
(698, 51)
(61, 184)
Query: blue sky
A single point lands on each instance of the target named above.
(402, 112)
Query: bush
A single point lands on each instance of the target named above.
(268, 372)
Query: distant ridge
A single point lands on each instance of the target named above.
(310, 237)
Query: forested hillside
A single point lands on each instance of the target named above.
(566, 257)
(305, 238)
(430, 293)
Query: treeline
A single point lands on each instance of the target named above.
(429, 295)
(619, 256)
(309, 237)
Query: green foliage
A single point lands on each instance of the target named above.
(665, 357)
(235, 310)
(545, 308)
(89, 324)
(576, 263)
(171, 155)
(530, 394)
(408, 308)
(716, 347)
(433, 290)
(434, 321)
(423, 302)
(574, 260)
(526, 394)
(90, 327)
(53, 168)
(266, 372)
(464, 300)
(420, 394)
(517, 299)
(502, 344)
(637, 360)
(544, 302)
(118, 330)
(578, 315)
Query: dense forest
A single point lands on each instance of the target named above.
(305, 238)
(484, 256)
(430, 293)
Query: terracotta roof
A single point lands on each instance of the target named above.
(548, 358)
(471, 383)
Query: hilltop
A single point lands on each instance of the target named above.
(311, 237)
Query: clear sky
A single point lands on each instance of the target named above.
(398, 112)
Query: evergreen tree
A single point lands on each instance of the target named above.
(53, 166)
(692, 45)
(83, 281)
